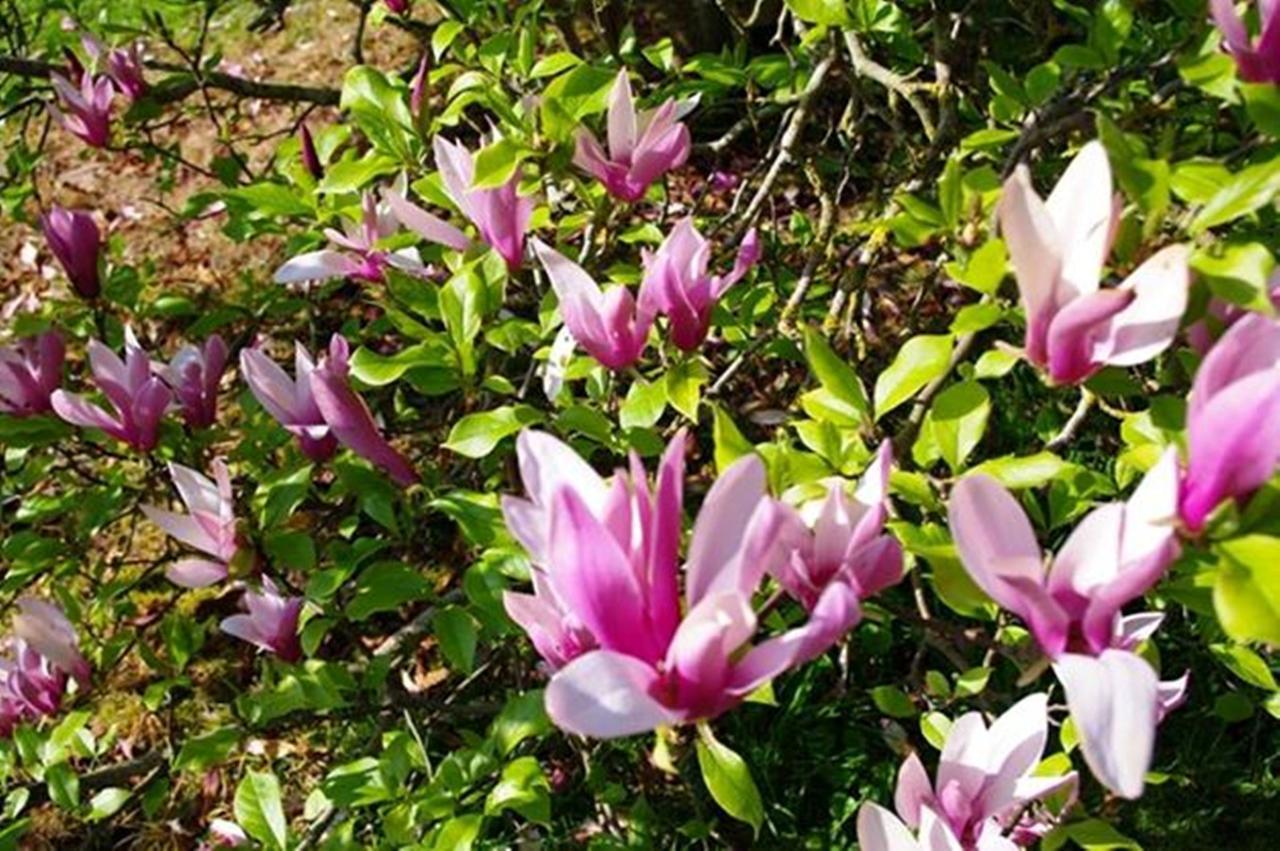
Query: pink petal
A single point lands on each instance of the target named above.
(1034, 247)
(606, 695)
(196, 572)
(315, 266)
(1015, 745)
(998, 549)
(699, 654)
(594, 578)
(622, 118)
(456, 170)
(73, 408)
(1147, 327)
(46, 629)
(1078, 333)
(880, 830)
(270, 385)
(1081, 207)
(912, 791)
(658, 156)
(353, 425)
(1233, 30)
(1235, 445)
(936, 834)
(429, 227)
(548, 464)
(1113, 701)
(714, 562)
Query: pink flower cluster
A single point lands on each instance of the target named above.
(42, 658)
(606, 613)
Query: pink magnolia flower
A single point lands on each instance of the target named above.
(45, 654)
(348, 417)
(123, 65)
(138, 397)
(74, 239)
(30, 371)
(723, 181)
(1233, 419)
(84, 109)
(609, 325)
(676, 282)
(271, 622)
(1258, 61)
(1059, 247)
(193, 375)
(642, 146)
(1072, 606)
(1221, 315)
(225, 834)
(418, 87)
(607, 607)
(307, 148)
(501, 214)
(209, 525)
(361, 259)
(45, 629)
(290, 402)
(398, 7)
(845, 558)
(984, 786)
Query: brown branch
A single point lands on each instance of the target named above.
(865, 66)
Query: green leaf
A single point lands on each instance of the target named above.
(1246, 665)
(549, 66)
(293, 550)
(377, 370)
(973, 318)
(835, 375)
(258, 809)
(920, 360)
(64, 785)
(522, 788)
(523, 717)
(830, 12)
(456, 632)
(893, 701)
(644, 404)
(107, 802)
(972, 682)
(984, 269)
(476, 435)
(459, 833)
(496, 164)
(958, 419)
(353, 175)
(205, 751)
(461, 307)
(1018, 473)
(730, 444)
(935, 727)
(684, 387)
(1248, 190)
(573, 96)
(1238, 273)
(272, 199)
(1262, 101)
(729, 779)
(951, 191)
(385, 586)
(1246, 591)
